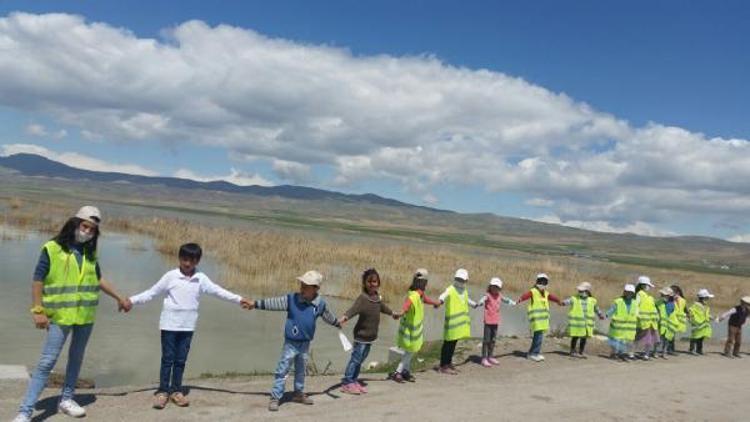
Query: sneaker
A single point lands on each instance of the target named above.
(302, 398)
(486, 363)
(22, 417)
(407, 376)
(450, 365)
(351, 388)
(447, 370)
(536, 358)
(397, 377)
(737, 355)
(540, 356)
(645, 356)
(582, 356)
(631, 356)
(362, 388)
(693, 352)
(160, 400)
(179, 399)
(273, 405)
(493, 361)
(71, 408)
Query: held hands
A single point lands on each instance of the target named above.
(247, 304)
(124, 305)
(342, 320)
(41, 321)
(397, 315)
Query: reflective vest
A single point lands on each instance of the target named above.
(681, 309)
(667, 323)
(700, 321)
(580, 325)
(623, 323)
(648, 316)
(538, 311)
(457, 321)
(71, 293)
(410, 334)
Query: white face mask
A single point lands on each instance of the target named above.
(541, 286)
(82, 237)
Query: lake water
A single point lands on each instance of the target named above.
(125, 348)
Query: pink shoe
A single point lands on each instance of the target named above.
(493, 361)
(352, 388)
(362, 388)
(486, 363)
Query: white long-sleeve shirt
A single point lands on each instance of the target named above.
(460, 291)
(181, 298)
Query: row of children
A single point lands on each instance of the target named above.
(65, 302)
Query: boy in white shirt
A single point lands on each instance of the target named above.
(181, 288)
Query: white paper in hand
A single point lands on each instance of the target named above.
(344, 341)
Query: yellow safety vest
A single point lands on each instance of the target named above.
(700, 321)
(623, 323)
(410, 334)
(580, 325)
(648, 316)
(457, 320)
(71, 293)
(681, 309)
(667, 324)
(538, 311)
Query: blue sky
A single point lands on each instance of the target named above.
(632, 86)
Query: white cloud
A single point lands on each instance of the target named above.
(236, 177)
(413, 120)
(37, 130)
(638, 227)
(740, 238)
(74, 159)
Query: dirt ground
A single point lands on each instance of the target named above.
(683, 387)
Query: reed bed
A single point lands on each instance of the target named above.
(259, 262)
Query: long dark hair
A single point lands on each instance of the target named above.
(678, 290)
(67, 237)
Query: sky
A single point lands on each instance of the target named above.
(610, 116)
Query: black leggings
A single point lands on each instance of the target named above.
(581, 345)
(696, 345)
(446, 353)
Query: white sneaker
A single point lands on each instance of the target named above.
(536, 358)
(71, 408)
(541, 357)
(21, 417)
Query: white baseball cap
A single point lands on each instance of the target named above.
(746, 299)
(462, 274)
(645, 280)
(421, 273)
(311, 278)
(495, 281)
(704, 293)
(667, 291)
(542, 275)
(90, 214)
(585, 286)
(629, 288)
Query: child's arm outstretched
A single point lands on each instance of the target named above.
(209, 287)
(330, 318)
(508, 301)
(726, 315)
(279, 303)
(353, 311)
(147, 295)
(384, 309)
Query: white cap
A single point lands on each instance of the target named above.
(645, 280)
(90, 214)
(704, 293)
(585, 286)
(629, 288)
(311, 278)
(421, 273)
(542, 275)
(667, 291)
(462, 274)
(746, 299)
(495, 281)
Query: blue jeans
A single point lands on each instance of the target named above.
(293, 351)
(536, 343)
(53, 345)
(175, 346)
(359, 354)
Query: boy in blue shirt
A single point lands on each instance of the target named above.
(302, 311)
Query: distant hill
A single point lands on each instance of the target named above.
(36, 165)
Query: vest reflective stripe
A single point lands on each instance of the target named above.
(457, 321)
(410, 334)
(538, 311)
(648, 316)
(623, 324)
(700, 321)
(71, 292)
(682, 320)
(667, 324)
(578, 324)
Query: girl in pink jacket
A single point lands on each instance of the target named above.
(491, 301)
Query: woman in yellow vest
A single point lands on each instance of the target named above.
(538, 314)
(700, 322)
(623, 321)
(65, 295)
(647, 332)
(668, 320)
(457, 324)
(682, 312)
(581, 318)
